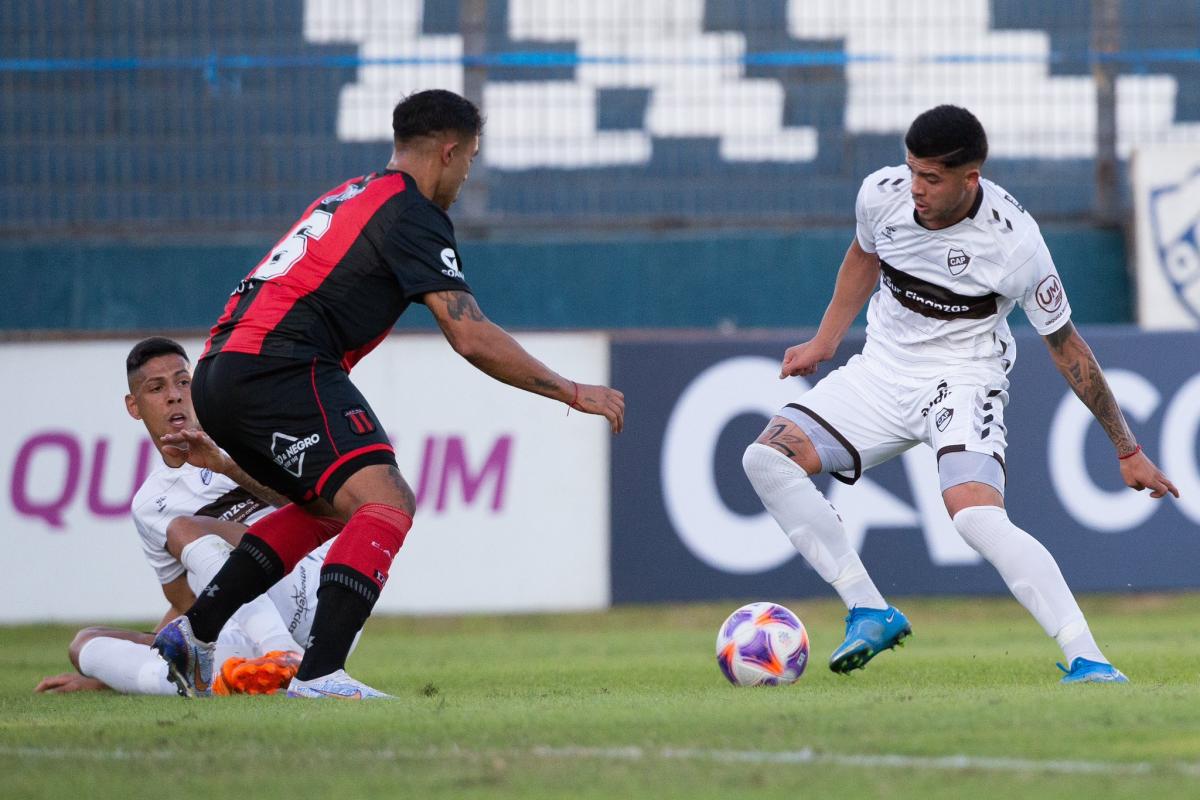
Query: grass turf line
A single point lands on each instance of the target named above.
(630, 703)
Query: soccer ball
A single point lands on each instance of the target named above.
(762, 644)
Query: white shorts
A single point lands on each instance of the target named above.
(877, 411)
(296, 598)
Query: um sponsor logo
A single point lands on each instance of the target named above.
(1050, 294)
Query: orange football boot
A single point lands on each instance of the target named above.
(263, 675)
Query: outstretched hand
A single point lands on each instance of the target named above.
(802, 359)
(1139, 472)
(193, 447)
(69, 682)
(601, 400)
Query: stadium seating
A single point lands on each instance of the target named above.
(145, 116)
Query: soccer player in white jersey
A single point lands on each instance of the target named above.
(944, 255)
(188, 518)
(122, 660)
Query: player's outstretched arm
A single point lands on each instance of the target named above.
(492, 350)
(1078, 365)
(195, 447)
(69, 682)
(856, 281)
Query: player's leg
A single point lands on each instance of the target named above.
(237, 401)
(778, 464)
(203, 558)
(380, 505)
(121, 660)
(295, 597)
(970, 445)
(272, 657)
(257, 563)
(324, 444)
(818, 435)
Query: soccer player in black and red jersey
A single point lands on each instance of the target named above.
(273, 388)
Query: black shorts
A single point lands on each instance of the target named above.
(300, 427)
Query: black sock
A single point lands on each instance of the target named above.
(251, 569)
(344, 602)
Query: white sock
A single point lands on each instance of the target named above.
(259, 618)
(811, 524)
(1032, 576)
(126, 666)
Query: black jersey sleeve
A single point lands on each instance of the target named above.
(421, 252)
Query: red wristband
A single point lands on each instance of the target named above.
(574, 400)
(1136, 450)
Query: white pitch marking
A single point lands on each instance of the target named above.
(950, 763)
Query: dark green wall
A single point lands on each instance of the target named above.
(750, 280)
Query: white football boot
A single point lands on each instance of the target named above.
(336, 685)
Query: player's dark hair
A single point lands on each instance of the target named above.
(950, 135)
(434, 111)
(150, 348)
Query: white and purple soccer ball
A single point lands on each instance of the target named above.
(762, 644)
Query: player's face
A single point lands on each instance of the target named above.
(942, 195)
(456, 171)
(160, 395)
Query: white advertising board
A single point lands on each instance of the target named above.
(512, 510)
(1166, 185)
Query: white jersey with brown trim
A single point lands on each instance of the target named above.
(944, 296)
(184, 492)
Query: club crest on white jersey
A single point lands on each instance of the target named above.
(945, 295)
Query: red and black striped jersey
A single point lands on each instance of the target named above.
(334, 286)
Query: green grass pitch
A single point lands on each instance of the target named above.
(630, 703)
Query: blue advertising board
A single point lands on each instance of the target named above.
(686, 525)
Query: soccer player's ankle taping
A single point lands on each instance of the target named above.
(291, 533)
(370, 541)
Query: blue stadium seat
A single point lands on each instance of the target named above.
(152, 145)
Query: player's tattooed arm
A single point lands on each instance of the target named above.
(461, 305)
(493, 351)
(196, 448)
(1074, 359)
(264, 493)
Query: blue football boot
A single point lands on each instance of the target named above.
(869, 631)
(1085, 671)
(189, 661)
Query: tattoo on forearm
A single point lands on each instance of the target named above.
(542, 383)
(460, 305)
(777, 436)
(1078, 365)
